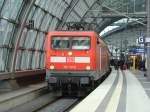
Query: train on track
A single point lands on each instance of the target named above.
(78, 58)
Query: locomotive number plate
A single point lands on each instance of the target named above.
(70, 59)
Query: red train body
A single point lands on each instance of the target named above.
(75, 57)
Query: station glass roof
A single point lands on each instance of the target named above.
(25, 23)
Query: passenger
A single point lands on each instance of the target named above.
(143, 65)
(121, 63)
(60, 43)
(63, 44)
(116, 64)
(112, 62)
(145, 68)
(75, 45)
(136, 63)
(139, 63)
(128, 64)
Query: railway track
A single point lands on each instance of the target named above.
(14, 98)
(49, 102)
(62, 104)
(36, 98)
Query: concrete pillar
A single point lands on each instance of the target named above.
(148, 44)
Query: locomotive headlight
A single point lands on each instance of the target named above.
(88, 67)
(69, 53)
(52, 67)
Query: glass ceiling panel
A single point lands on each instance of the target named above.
(11, 8)
(1, 3)
(47, 5)
(68, 1)
(46, 22)
(37, 2)
(30, 39)
(31, 13)
(39, 41)
(43, 3)
(38, 17)
(53, 24)
(5, 32)
(42, 63)
(3, 59)
(81, 8)
(90, 2)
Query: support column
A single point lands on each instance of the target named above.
(23, 18)
(148, 44)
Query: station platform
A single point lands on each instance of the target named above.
(122, 91)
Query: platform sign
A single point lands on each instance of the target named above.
(141, 40)
(137, 51)
(140, 50)
(147, 40)
(131, 52)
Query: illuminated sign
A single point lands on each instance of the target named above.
(141, 40)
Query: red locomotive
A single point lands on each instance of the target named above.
(75, 57)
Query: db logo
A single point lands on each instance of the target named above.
(70, 59)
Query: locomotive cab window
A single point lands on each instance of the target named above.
(75, 43)
(60, 43)
(80, 43)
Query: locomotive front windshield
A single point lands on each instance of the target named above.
(75, 43)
